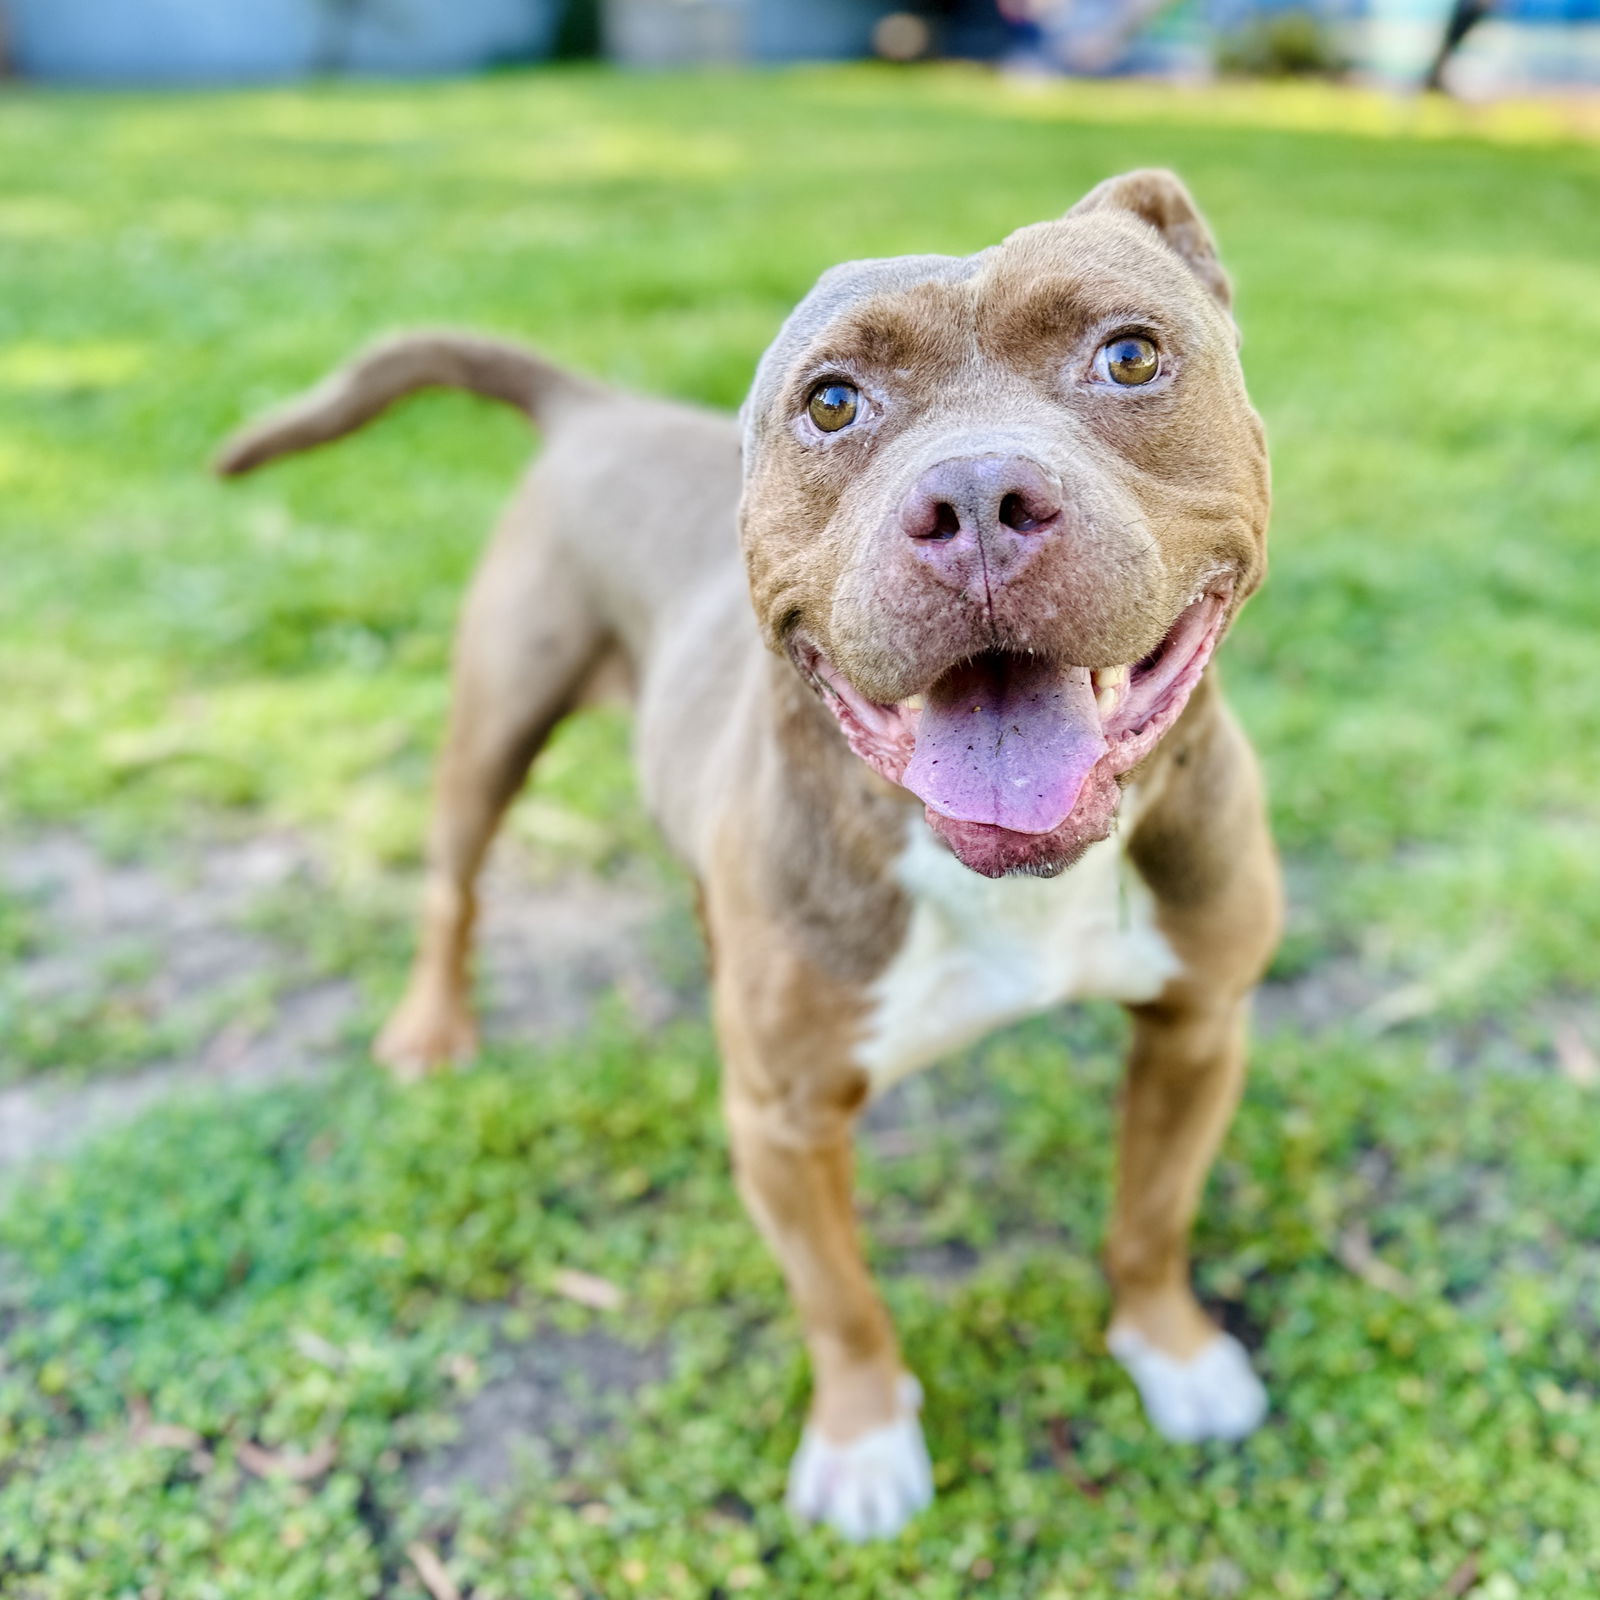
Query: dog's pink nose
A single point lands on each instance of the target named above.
(989, 508)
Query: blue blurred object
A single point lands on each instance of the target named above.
(830, 30)
(677, 33)
(1539, 42)
(1225, 16)
(255, 41)
(1228, 13)
(1535, 11)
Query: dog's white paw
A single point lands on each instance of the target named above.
(1213, 1395)
(871, 1487)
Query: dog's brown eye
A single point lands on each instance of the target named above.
(1131, 360)
(833, 405)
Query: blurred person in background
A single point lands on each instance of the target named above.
(1074, 36)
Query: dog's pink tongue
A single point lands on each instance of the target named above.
(1007, 740)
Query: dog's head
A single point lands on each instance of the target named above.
(1000, 509)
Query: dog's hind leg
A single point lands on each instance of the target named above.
(528, 640)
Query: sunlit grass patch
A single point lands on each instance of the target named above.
(1415, 672)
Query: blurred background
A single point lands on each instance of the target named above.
(1488, 46)
(273, 1327)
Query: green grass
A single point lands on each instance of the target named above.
(314, 1265)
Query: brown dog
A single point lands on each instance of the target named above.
(964, 762)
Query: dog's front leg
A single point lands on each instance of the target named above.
(1185, 1074)
(792, 1093)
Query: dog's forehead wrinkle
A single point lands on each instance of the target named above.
(893, 343)
(837, 292)
(1101, 263)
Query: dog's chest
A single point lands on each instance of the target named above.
(980, 953)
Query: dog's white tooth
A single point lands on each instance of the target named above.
(1106, 700)
(915, 703)
(1111, 677)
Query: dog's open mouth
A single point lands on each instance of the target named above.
(1017, 756)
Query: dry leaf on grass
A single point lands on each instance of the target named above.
(1411, 1002)
(1575, 1056)
(1355, 1253)
(159, 1435)
(1461, 1579)
(314, 1347)
(1063, 1450)
(435, 1575)
(461, 1368)
(228, 1047)
(600, 1294)
(295, 1466)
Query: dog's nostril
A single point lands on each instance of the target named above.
(1014, 514)
(946, 521)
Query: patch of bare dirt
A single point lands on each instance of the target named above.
(198, 947)
(542, 1397)
(1556, 1032)
(170, 943)
(548, 950)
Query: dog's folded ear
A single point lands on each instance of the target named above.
(1158, 197)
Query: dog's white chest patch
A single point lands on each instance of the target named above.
(981, 952)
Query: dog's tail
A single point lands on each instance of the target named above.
(388, 371)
